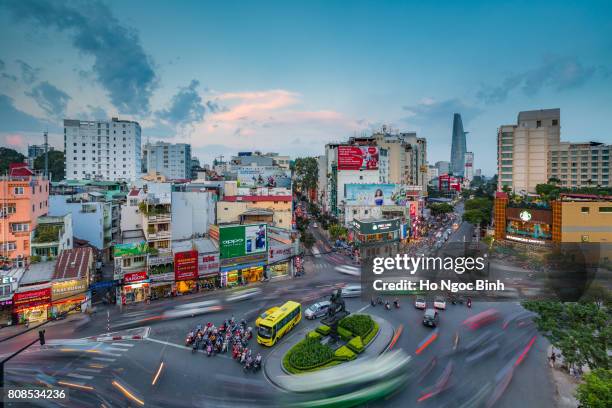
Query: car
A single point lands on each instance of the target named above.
(316, 310)
(420, 302)
(439, 303)
(351, 291)
(431, 318)
(314, 225)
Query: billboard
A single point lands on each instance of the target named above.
(134, 277)
(241, 240)
(133, 249)
(263, 176)
(208, 264)
(31, 298)
(379, 194)
(357, 157)
(185, 265)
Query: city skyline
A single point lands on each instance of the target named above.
(226, 80)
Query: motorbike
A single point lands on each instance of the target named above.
(247, 365)
(379, 301)
(396, 304)
(196, 345)
(256, 365)
(372, 303)
(387, 306)
(224, 346)
(189, 339)
(469, 303)
(209, 349)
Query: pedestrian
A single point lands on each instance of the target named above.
(553, 358)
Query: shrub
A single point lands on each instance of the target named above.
(344, 334)
(358, 324)
(313, 335)
(323, 330)
(356, 344)
(370, 336)
(344, 354)
(309, 354)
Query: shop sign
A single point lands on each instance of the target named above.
(278, 253)
(32, 298)
(525, 240)
(135, 249)
(208, 264)
(61, 288)
(377, 226)
(525, 216)
(243, 260)
(357, 157)
(169, 277)
(134, 276)
(186, 265)
(241, 240)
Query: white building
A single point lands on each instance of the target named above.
(193, 212)
(131, 218)
(432, 173)
(172, 160)
(468, 169)
(103, 150)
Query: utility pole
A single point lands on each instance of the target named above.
(46, 145)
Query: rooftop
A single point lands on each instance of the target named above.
(73, 263)
(40, 272)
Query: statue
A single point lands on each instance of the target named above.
(336, 312)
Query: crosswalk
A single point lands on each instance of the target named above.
(83, 373)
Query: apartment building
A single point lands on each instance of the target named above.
(172, 160)
(580, 164)
(523, 149)
(102, 150)
(24, 197)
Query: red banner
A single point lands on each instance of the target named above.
(134, 277)
(357, 157)
(186, 265)
(32, 298)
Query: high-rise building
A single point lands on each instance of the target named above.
(523, 149)
(171, 160)
(458, 147)
(432, 173)
(580, 164)
(102, 150)
(468, 172)
(443, 167)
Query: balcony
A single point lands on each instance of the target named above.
(159, 217)
(157, 235)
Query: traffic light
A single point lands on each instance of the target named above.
(41, 337)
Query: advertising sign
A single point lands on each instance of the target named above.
(279, 252)
(240, 240)
(134, 277)
(377, 227)
(263, 176)
(186, 265)
(379, 194)
(134, 249)
(357, 158)
(208, 264)
(32, 298)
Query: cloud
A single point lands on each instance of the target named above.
(555, 72)
(29, 75)
(2, 65)
(10, 77)
(51, 99)
(120, 63)
(93, 113)
(429, 111)
(15, 120)
(15, 141)
(185, 107)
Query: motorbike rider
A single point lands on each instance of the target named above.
(387, 305)
(396, 303)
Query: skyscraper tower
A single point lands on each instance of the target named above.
(458, 147)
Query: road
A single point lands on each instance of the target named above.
(120, 373)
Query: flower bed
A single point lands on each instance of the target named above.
(308, 354)
(358, 324)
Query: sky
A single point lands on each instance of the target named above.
(289, 77)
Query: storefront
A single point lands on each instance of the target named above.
(6, 310)
(69, 296)
(162, 285)
(279, 259)
(32, 305)
(186, 271)
(377, 237)
(208, 269)
(243, 274)
(136, 288)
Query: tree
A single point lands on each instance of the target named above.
(554, 181)
(476, 217)
(308, 239)
(306, 172)
(337, 231)
(548, 192)
(57, 164)
(582, 331)
(8, 156)
(440, 208)
(596, 390)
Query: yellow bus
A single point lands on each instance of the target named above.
(265, 314)
(278, 323)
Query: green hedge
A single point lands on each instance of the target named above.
(370, 336)
(344, 354)
(323, 330)
(357, 324)
(344, 334)
(313, 335)
(356, 344)
(309, 354)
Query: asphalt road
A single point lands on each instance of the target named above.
(121, 373)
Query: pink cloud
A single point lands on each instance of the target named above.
(15, 140)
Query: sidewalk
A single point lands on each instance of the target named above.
(75, 319)
(273, 366)
(565, 385)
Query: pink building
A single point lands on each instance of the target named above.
(24, 196)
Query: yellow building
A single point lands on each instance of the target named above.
(273, 210)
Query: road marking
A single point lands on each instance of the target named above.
(178, 346)
(88, 370)
(363, 308)
(108, 360)
(116, 349)
(123, 344)
(106, 353)
(80, 377)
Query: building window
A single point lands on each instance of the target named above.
(22, 227)
(539, 123)
(555, 122)
(584, 210)
(607, 210)
(18, 190)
